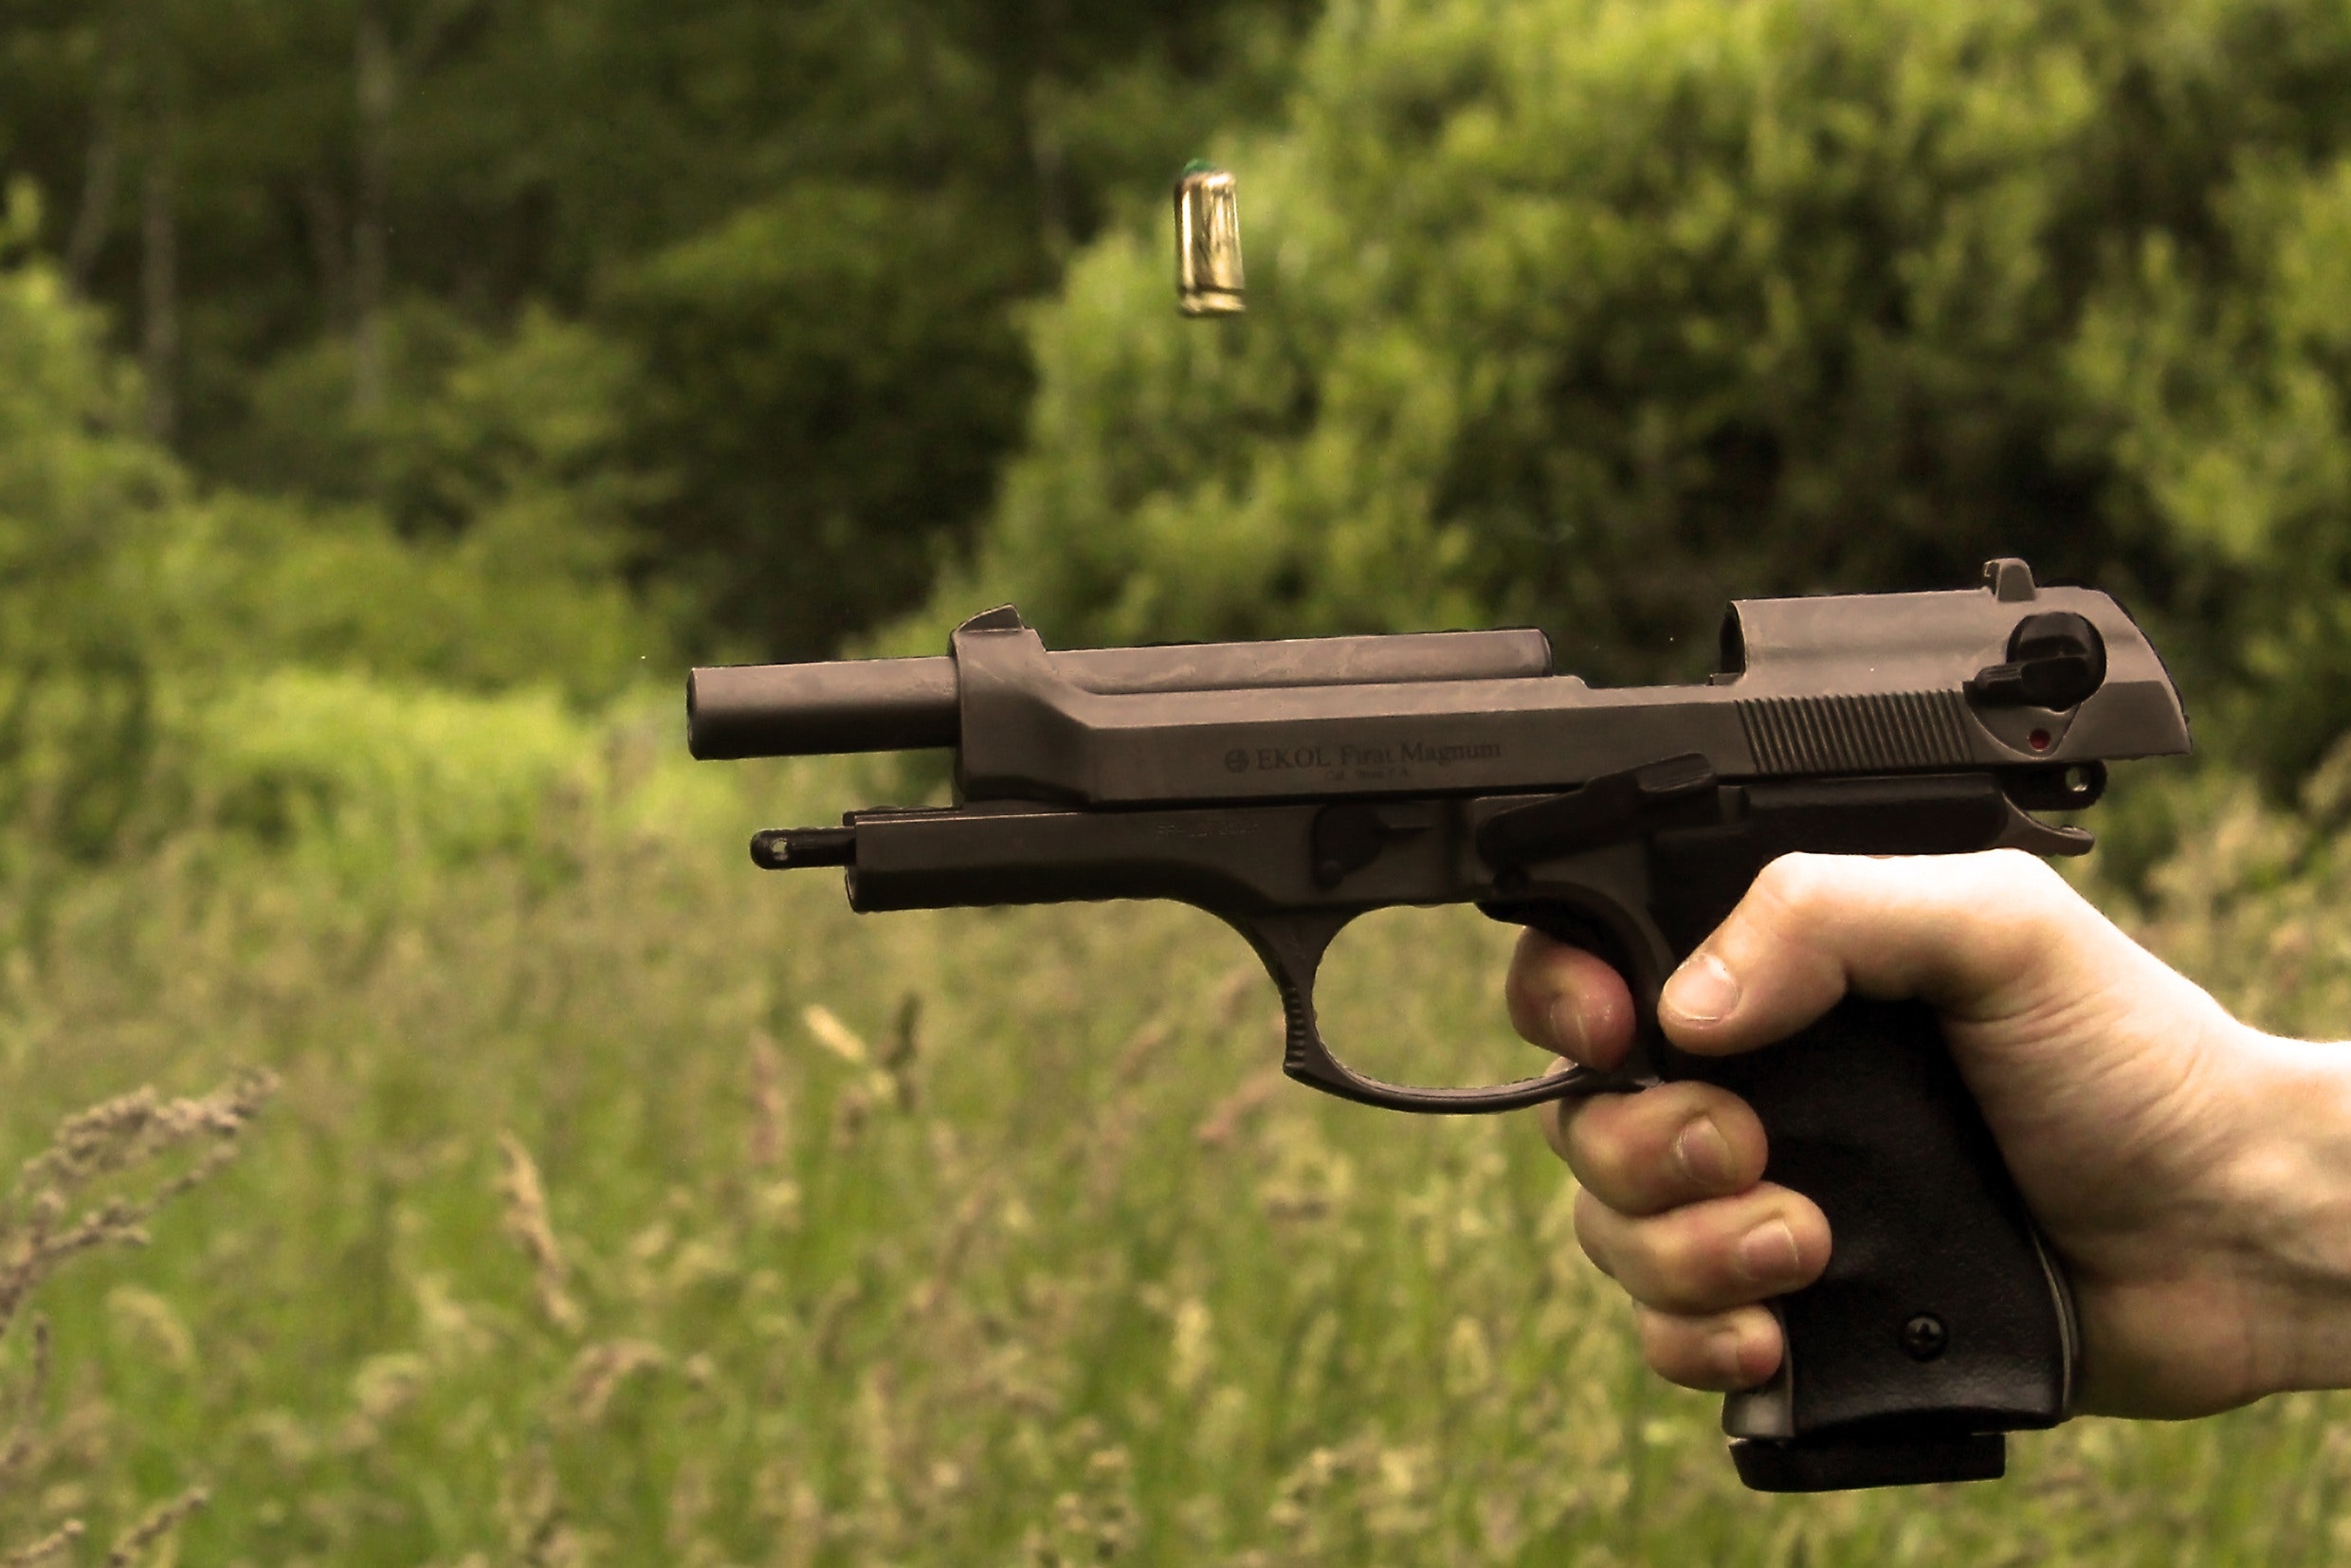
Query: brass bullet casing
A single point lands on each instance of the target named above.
(1207, 242)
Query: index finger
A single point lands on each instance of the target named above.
(1568, 1001)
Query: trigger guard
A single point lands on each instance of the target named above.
(1292, 948)
(1317, 1068)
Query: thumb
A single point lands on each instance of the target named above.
(1980, 937)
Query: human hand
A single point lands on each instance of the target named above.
(2193, 1176)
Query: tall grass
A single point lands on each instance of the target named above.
(624, 1205)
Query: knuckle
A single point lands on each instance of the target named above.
(2024, 872)
(1538, 964)
(1597, 1229)
(2032, 889)
(1681, 1265)
(2036, 909)
(1541, 974)
(1556, 1119)
(1794, 885)
(1717, 1350)
(1657, 1264)
(1688, 1260)
(1651, 1154)
(1663, 1347)
(1676, 1143)
(1597, 1144)
(1526, 1009)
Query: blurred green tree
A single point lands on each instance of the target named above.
(780, 400)
(306, 215)
(1596, 314)
(78, 491)
(132, 601)
(2230, 398)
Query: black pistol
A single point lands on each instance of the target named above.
(1289, 787)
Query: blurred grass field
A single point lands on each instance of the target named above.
(624, 1205)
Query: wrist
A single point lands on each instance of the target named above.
(2288, 1189)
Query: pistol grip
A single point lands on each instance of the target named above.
(1942, 1320)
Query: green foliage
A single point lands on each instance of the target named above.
(524, 598)
(128, 600)
(832, 376)
(77, 500)
(1598, 315)
(387, 786)
(474, 531)
(2234, 406)
(781, 411)
(307, 216)
(2245, 895)
(468, 419)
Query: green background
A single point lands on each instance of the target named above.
(395, 395)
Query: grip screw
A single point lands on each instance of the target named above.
(1924, 1337)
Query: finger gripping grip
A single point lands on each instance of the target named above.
(1942, 1319)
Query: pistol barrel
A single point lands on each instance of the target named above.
(811, 710)
(908, 704)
